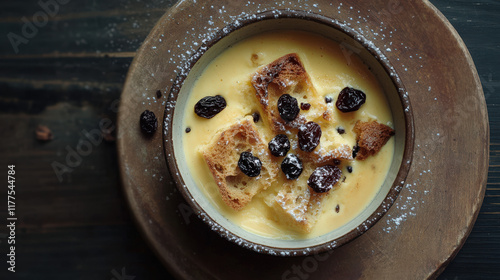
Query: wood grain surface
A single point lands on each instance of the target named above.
(70, 75)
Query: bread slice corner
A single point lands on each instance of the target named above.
(371, 136)
(222, 155)
(298, 205)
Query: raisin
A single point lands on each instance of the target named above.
(305, 106)
(349, 169)
(158, 94)
(256, 117)
(337, 208)
(292, 167)
(340, 130)
(324, 178)
(328, 99)
(188, 129)
(249, 164)
(279, 145)
(210, 106)
(148, 122)
(309, 136)
(350, 100)
(355, 151)
(288, 107)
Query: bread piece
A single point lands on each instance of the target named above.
(332, 146)
(324, 154)
(287, 75)
(236, 188)
(371, 137)
(299, 206)
(296, 204)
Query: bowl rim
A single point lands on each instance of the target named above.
(278, 14)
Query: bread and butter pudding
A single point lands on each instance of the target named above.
(289, 134)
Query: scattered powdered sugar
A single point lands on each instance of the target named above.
(407, 206)
(184, 52)
(412, 196)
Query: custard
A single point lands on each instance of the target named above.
(330, 69)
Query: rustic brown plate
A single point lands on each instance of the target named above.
(438, 205)
(329, 28)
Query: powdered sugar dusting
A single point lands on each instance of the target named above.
(412, 196)
(185, 52)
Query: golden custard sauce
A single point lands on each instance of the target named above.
(331, 69)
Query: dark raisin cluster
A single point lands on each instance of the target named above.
(210, 106)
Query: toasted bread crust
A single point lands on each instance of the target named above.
(222, 157)
(285, 75)
(283, 72)
(371, 137)
(326, 155)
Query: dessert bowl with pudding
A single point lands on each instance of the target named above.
(291, 134)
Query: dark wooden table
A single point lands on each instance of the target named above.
(66, 71)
